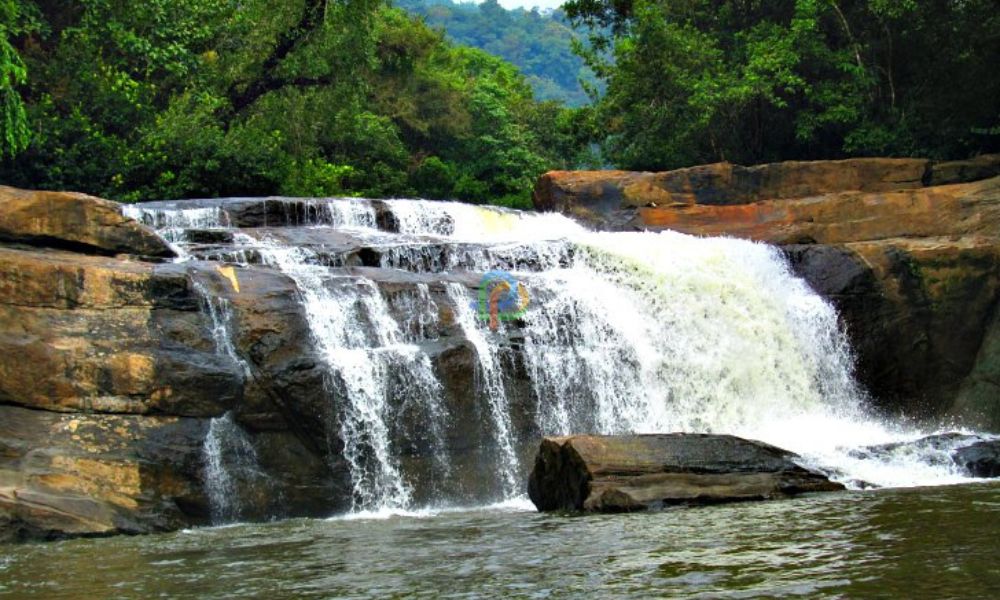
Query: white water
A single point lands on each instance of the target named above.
(376, 372)
(491, 385)
(229, 457)
(625, 332)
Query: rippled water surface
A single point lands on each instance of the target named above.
(924, 542)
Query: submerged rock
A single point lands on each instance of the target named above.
(638, 472)
(976, 455)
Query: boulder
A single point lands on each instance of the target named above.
(75, 222)
(638, 472)
(981, 459)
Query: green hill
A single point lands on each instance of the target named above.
(538, 43)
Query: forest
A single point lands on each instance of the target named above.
(540, 45)
(198, 98)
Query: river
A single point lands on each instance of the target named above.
(939, 542)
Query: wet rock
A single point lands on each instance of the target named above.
(978, 401)
(639, 472)
(79, 474)
(981, 459)
(918, 312)
(75, 222)
(935, 448)
(979, 456)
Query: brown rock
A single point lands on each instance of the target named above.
(593, 195)
(87, 333)
(76, 222)
(965, 209)
(638, 472)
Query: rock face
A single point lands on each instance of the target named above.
(109, 379)
(907, 249)
(639, 472)
(117, 387)
(74, 221)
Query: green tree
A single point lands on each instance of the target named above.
(750, 82)
(14, 131)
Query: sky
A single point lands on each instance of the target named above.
(530, 3)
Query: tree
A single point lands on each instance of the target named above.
(707, 80)
(14, 131)
(196, 98)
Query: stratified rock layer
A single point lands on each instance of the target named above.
(111, 371)
(637, 472)
(74, 221)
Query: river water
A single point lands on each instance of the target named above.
(939, 542)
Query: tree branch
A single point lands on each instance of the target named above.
(312, 16)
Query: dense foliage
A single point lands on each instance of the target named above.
(539, 44)
(750, 81)
(185, 98)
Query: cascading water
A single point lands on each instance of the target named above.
(492, 387)
(625, 332)
(375, 371)
(229, 458)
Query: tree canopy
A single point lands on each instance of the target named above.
(187, 98)
(751, 81)
(540, 44)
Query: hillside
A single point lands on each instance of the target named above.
(538, 43)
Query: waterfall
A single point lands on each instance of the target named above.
(229, 459)
(492, 386)
(228, 455)
(624, 332)
(221, 314)
(375, 370)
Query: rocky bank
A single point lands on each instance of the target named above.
(907, 249)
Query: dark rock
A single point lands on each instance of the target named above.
(933, 449)
(981, 459)
(977, 455)
(963, 171)
(638, 472)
